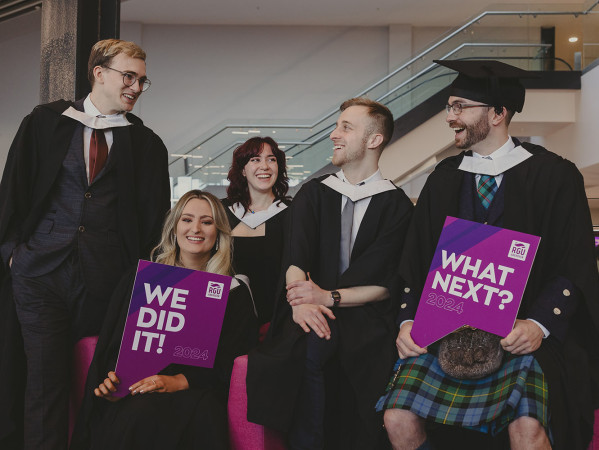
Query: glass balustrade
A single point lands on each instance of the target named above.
(509, 33)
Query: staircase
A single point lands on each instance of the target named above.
(416, 93)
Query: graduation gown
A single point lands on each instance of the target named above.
(366, 333)
(543, 196)
(33, 163)
(192, 419)
(259, 258)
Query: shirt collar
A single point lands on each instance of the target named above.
(501, 160)
(376, 176)
(374, 184)
(501, 151)
(89, 117)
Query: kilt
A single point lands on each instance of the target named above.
(487, 404)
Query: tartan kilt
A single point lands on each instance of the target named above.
(518, 388)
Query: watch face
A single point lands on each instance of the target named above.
(336, 296)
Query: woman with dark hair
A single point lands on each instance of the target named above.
(190, 408)
(255, 203)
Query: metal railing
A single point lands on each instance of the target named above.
(317, 131)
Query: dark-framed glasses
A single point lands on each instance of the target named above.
(457, 108)
(129, 79)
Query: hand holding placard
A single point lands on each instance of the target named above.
(175, 316)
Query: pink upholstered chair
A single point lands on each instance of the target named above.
(244, 435)
(82, 358)
(595, 442)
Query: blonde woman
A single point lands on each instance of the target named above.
(190, 410)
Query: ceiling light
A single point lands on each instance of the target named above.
(572, 39)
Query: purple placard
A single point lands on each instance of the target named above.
(175, 316)
(477, 278)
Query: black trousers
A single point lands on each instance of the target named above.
(307, 431)
(46, 306)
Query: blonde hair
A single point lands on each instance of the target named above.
(380, 115)
(167, 251)
(103, 52)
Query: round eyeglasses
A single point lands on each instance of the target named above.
(457, 108)
(129, 79)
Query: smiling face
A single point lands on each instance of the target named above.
(109, 94)
(350, 136)
(471, 126)
(261, 171)
(196, 232)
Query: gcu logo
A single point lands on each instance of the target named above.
(214, 290)
(518, 250)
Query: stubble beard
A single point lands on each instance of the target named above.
(349, 157)
(475, 133)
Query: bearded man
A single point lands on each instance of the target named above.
(542, 393)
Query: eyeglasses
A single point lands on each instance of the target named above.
(457, 108)
(129, 79)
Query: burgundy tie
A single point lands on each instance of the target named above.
(98, 153)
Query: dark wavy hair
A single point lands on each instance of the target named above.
(238, 190)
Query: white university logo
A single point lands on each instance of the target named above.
(518, 250)
(214, 290)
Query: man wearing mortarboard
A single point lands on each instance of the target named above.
(542, 395)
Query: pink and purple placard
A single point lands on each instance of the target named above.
(477, 278)
(175, 316)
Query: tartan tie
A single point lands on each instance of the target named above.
(98, 153)
(487, 187)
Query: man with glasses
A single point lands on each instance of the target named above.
(542, 393)
(83, 196)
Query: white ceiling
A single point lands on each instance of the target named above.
(443, 13)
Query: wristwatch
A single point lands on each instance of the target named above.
(336, 297)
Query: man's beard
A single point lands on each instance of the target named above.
(475, 133)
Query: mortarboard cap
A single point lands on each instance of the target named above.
(487, 81)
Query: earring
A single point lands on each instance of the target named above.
(216, 246)
(174, 238)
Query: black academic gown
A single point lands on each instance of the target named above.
(34, 160)
(192, 419)
(366, 333)
(543, 196)
(260, 259)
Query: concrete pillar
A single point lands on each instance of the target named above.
(69, 30)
